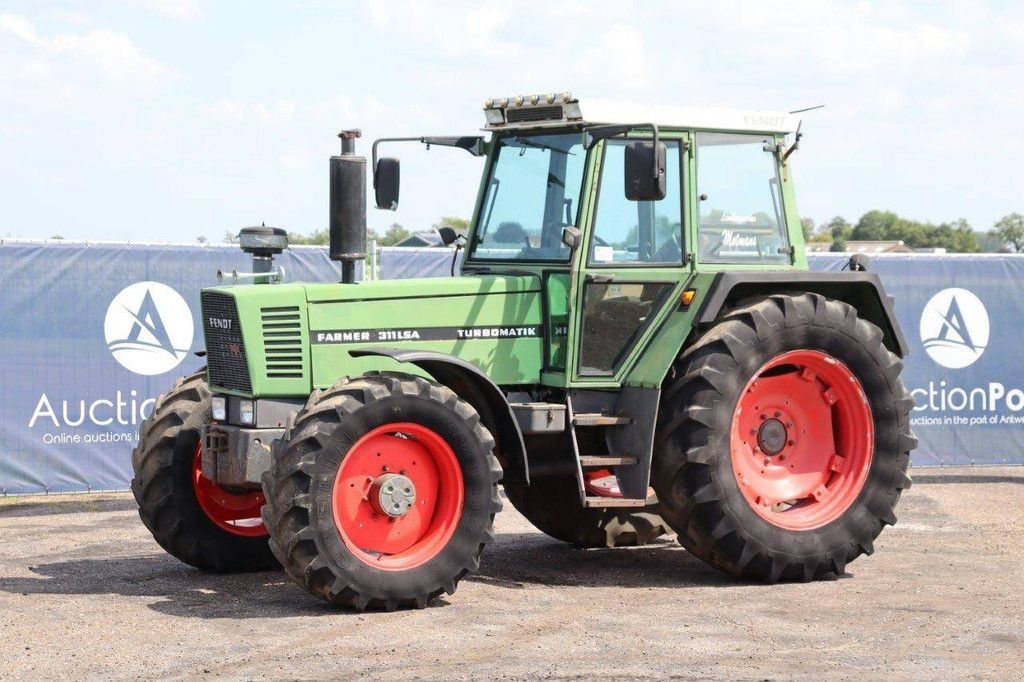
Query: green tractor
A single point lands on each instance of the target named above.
(635, 347)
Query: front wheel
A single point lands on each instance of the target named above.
(784, 440)
(196, 520)
(382, 493)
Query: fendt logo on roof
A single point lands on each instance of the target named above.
(148, 328)
(954, 328)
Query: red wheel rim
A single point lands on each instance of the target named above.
(423, 508)
(802, 440)
(236, 513)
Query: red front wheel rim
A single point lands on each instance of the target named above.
(236, 513)
(398, 496)
(802, 440)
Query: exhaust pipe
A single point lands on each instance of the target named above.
(348, 206)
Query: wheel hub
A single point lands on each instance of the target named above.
(772, 436)
(393, 495)
(802, 440)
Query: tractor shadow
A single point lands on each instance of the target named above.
(516, 560)
(173, 588)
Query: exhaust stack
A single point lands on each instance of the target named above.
(348, 206)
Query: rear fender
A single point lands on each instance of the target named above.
(862, 290)
(476, 388)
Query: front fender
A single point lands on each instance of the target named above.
(476, 388)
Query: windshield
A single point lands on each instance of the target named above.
(533, 192)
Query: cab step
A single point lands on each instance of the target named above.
(599, 419)
(592, 501)
(606, 461)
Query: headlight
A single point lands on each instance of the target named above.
(220, 408)
(246, 412)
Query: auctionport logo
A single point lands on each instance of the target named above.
(954, 328)
(148, 328)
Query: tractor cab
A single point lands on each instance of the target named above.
(613, 208)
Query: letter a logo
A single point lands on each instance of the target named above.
(954, 328)
(148, 328)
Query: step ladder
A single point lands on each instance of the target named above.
(622, 464)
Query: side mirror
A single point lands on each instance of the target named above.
(385, 183)
(645, 171)
(448, 235)
(571, 237)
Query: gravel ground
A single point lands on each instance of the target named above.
(85, 592)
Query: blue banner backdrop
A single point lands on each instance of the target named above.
(83, 328)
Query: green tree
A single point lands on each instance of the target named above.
(807, 225)
(456, 223)
(201, 239)
(1010, 229)
(320, 237)
(57, 236)
(840, 228)
(874, 226)
(990, 242)
(838, 244)
(393, 235)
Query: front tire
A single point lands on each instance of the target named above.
(783, 440)
(383, 492)
(192, 518)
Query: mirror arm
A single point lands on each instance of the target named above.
(473, 145)
(593, 134)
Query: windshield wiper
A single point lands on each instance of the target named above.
(527, 142)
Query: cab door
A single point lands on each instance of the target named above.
(631, 269)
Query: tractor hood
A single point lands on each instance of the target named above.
(285, 340)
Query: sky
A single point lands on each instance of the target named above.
(167, 120)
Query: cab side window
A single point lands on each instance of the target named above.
(741, 218)
(648, 232)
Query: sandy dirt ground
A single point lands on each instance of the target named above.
(85, 592)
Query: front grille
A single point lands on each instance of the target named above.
(225, 349)
(553, 113)
(282, 342)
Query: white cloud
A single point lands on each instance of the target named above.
(241, 111)
(112, 55)
(172, 9)
(619, 58)
(19, 27)
(294, 159)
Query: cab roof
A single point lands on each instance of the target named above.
(550, 110)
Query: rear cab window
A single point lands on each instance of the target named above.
(741, 217)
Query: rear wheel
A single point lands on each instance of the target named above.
(552, 505)
(383, 492)
(197, 521)
(783, 440)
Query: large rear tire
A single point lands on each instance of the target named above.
(383, 492)
(552, 505)
(192, 518)
(783, 440)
